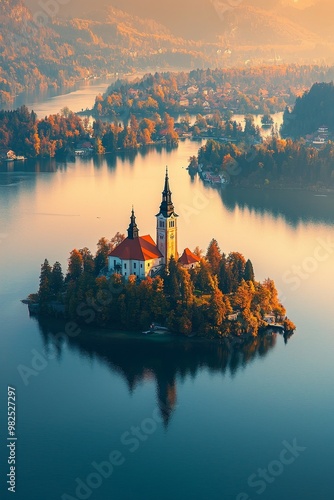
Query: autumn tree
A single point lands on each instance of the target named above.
(213, 256)
(101, 257)
(75, 265)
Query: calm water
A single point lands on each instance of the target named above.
(189, 419)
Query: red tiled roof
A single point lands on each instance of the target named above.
(188, 257)
(141, 248)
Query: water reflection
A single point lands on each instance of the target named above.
(294, 206)
(164, 359)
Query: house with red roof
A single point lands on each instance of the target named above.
(188, 259)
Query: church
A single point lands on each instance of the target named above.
(140, 255)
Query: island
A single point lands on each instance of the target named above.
(136, 284)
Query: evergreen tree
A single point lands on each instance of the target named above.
(45, 292)
(225, 276)
(236, 262)
(249, 271)
(57, 278)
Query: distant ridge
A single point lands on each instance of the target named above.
(39, 50)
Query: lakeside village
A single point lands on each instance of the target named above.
(138, 284)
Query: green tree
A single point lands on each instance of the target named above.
(45, 280)
(249, 271)
(57, 278)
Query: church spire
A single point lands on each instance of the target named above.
(166, 207)
(133, 231)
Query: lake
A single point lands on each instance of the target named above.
(125, 417)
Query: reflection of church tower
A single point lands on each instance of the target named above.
(166, 398)
(167, 225)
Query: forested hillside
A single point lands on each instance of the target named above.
(311, 111)
(39, 49)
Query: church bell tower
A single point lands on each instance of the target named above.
(167, 225)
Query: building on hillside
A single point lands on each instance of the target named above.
(136, 255)
(140, 255)
(188, 259)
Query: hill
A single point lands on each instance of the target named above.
(37, 52)
(40, 47)
(311, 111)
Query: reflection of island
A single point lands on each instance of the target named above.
(166, 359)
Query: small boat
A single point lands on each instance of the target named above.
(158, 328)
(21, 158)
(154, 328)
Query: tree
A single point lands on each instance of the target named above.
(214, 256)
(249, 272)
(98, 146)
(116, 240)
(236, 262)
(101, 257)
(75, 264)
(44, 292)
(217, 308)
(198, 252)
(225, 276)
(57, 278)
(203, 279)
(87, 260)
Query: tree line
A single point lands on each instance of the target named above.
(312, 110)
(276, 162)
(260, 90)
(60, 134)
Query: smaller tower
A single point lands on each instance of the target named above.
(167, 225)
(133, 231)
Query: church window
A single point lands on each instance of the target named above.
(161, 224)
(171, 223)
